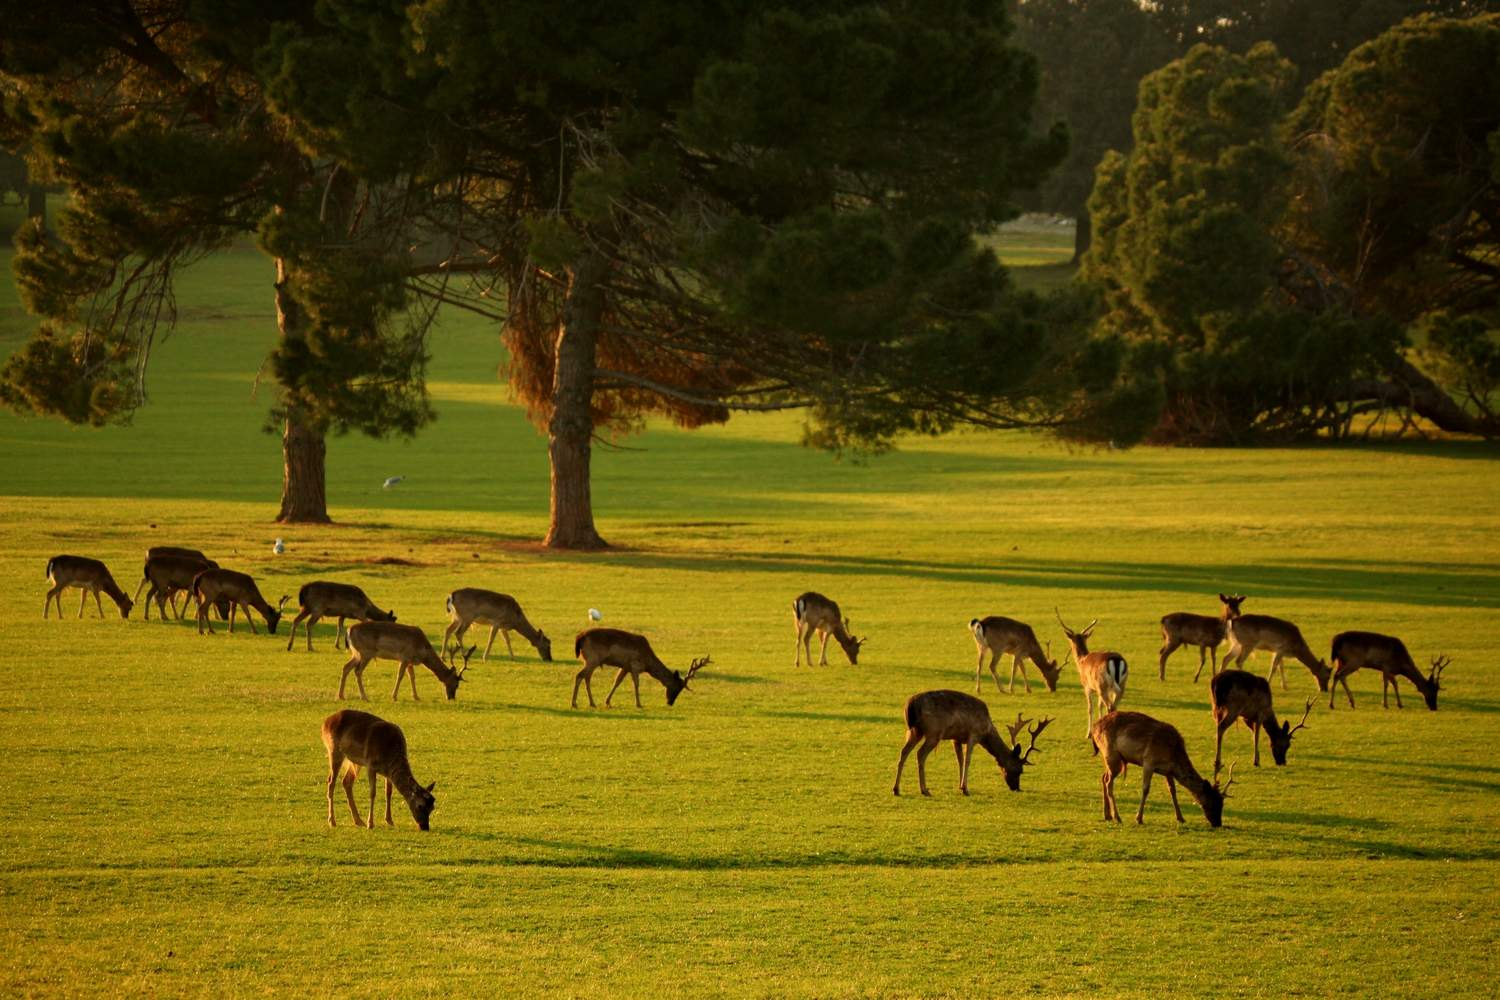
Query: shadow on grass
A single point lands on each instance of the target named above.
(832, 716)
(617, 712)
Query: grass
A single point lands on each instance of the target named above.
(167, 832)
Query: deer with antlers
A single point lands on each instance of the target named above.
(1183, 628)
(633, 655)
(1248, 633)
(934, 716)
(812, 612)
(1239, 694)
(1007, 637)
(360, 739)
(1386, 653)
(1124, 738)
(501, 612)
(90, 576)
(1102, 674)
(325, 599)
(215, 585)
(408, 646)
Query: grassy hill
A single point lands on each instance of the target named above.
(167, 830)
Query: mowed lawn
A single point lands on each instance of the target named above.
(166, 830)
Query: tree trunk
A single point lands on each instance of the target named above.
(1083, 234)
(36, 203)
(1411, 388)
(571, 430)
(303, 491)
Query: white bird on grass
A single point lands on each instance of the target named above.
(278, 548)
(594, 614)
(392, 481)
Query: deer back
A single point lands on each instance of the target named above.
(617, 648)
(1265, 632)
(174, 571)
(329, 599)
(1139, 739)
(178, 552)
(79, 570)
(487, 607)
(812, 608)
(1193, 629)
(948, 715)
(1239, 694)
(1375, 651)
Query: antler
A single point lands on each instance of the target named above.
(1438, 663)
(282, 603)
(466, 657)
(1034, 732)
(694, 667)
(1224, 789)
(1060, 621)
(1303, 724)
(1015, 731)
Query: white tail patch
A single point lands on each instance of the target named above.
(1116, 670)
(977, 627)
(450, 604)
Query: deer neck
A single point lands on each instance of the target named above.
(400, 775)
(1188, 777)
(996, 746)
(524, 627)
(659, 670)
(435, 663)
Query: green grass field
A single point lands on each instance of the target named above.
(166, 830)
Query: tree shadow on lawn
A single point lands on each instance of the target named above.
(625, 712)
(882, 720)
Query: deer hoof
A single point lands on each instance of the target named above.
(926, 793)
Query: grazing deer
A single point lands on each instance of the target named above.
(1247, 633)
(1183, 628)
(1386, 653)
(177, 551)
(1239, 694)
(934, 716)
(812, 612)
(1007, 637)
(598, 647)
(408, 646)
(166, 576)
(364, 740)
(1134, 738)
(321, 599)
(1102, 674)
(215, 585)
(90, 576)
(501, 612)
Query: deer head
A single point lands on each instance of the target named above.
(1016, 760)
(1049, 669)
(274, 617)
(1231, 604)
(452, 679)
(422, 803)
(544, 646)
(1078, 640)
(680, 683)
(1429, 693)
(1212, 799)
(1281, 736)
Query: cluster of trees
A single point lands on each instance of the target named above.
(687, 209)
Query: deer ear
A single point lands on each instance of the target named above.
(431, 787)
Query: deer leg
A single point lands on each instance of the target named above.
(1104, 783)
(1279, 663)
(912, 739)
(291, 638)
(47, 602)
(1018, 664)
(509, 651)
(388, 787)
(343, 677)
(309, 627)
(823, 653)
(582, 677)
(349, 778)
(1397, 688)
(82, 600)
(1168, 646)
(359, 678)
(374, 780)
(489, 645)
(635, 680)
(979, 671)
(968, 759)
(1172, 788)
(922, 753)
(797, 624)
(1088, 704)
(619, 679)
(250, 619)
(1140, 814)
(335, 761)
(411, 673)
(1114, 766)
(203, 618)
(98, 606)
(1255, 737)
(1219, 745)
(339, 632)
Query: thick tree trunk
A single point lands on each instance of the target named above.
(570, 433)
(303, 491)
(1083, 234)
(1411, 388)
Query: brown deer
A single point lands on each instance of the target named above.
(934, 716)
(1183, 628)
(167, 576)
(501, 612)
(408, 646)
(598, 647)
(1386, 653)
(178, 551)
(1007, 637)
(364, 740)
(239, 589)
(1247, 633)
(322, 598)
(1102, 674)
(90, 576)
(1157, 748)
(1239, 694)
(812, 612)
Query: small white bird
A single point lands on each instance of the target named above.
(594, 614)
(278, 548)
(391, 482)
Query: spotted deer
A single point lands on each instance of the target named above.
(325, 599)
(501, 612)
(408, 646)
(1102, 674)
(1124, 738)
(362, 740)
(812, 612)
(239, 589)
(1183, 628)
(1281, 638)
(1007, 637)
(168, 575)
(934, 716)
(1239, 694)
(90, 576)
(633, 655)
(1355, 650)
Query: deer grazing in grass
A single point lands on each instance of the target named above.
(633, 655)
(324, 599)
(360, 739)
(90, 576)
(501, 612)
(1247, 633)
(168, 575)
(1134, 738)
(1183, 628)
(1007, 637)
(812, 612)
(1239, 694)
(239, 589)
(408, 646)
(1102, 674)
(1355, 650)
(934, 716)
